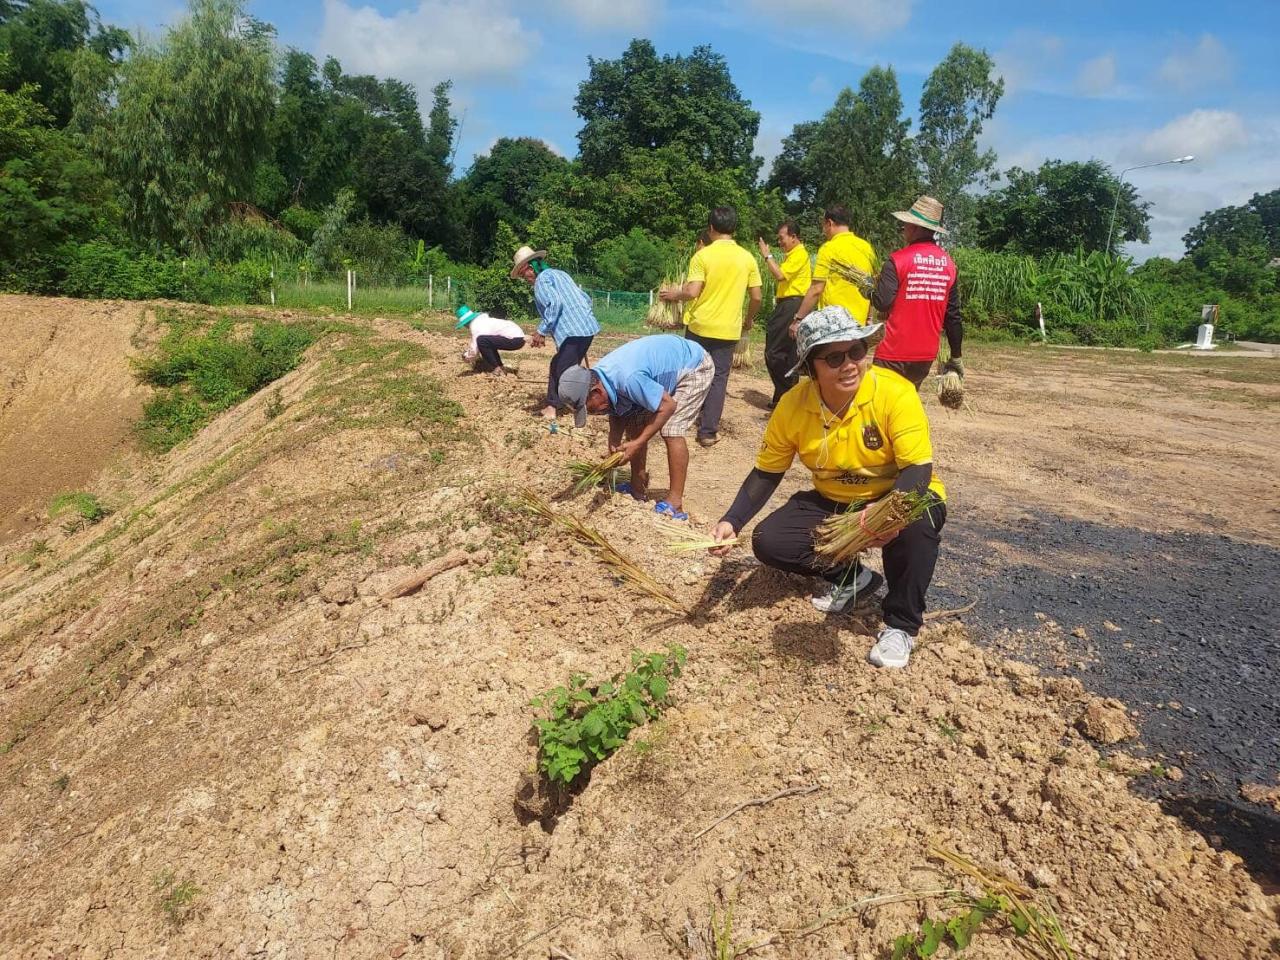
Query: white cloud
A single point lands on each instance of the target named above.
(1097, 77)
(434, 41)
(869, 17)
(1203, 133)
(1028, 60)
(1205, 64)
(613, 14)
(1233, 162)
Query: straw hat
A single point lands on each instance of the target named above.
(832, 324)
(925, 212)
(523, 256)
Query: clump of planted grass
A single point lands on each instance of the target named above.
(683, 539)
(608, 554)
(742, 352)
(840, 538)
(588, 474)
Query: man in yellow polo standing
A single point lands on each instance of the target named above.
(721, 275)
(793, 276)
(828, 288)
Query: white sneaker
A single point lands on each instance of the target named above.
(893, 648)
(842, 594)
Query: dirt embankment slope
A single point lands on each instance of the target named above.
(68, 397)
(219, 742)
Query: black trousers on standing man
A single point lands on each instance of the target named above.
(721, 352)
(780, 347)
(570, 353)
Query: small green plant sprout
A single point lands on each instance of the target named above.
(81, 509)
(585, 722)
(947, 730)
(176, 898)
(1037, 933)
(31, 557)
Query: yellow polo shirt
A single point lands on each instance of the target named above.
(848, 248)
(726, 271)
(796, 273)
(856, 457)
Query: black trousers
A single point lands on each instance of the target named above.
(569, 354)
(721, 352)
(489, 347)
(913, 370)
(780, 346)
(784, 540)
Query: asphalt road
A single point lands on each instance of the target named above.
(1196, 652)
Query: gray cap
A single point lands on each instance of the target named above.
(832, 324)
(575, 384)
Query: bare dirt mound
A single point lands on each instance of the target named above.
(218, 741)
(68, 397)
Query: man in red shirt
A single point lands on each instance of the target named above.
(916, 295)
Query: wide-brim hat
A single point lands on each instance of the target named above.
(831, 325)
(575, 384)
(523, 256)
(465, 315)
(925, 212)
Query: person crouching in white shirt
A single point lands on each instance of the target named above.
(492, 334)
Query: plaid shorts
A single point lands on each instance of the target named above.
(691, 392)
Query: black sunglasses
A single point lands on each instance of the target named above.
(836, 358)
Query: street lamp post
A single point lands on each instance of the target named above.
(1120, 183)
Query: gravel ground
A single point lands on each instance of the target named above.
(1196, 652)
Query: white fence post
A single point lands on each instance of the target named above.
(273, 286)
(1040, 316)
(351, 279)
(608, 298)
(651, 298)
(448, 291)
(431, 290)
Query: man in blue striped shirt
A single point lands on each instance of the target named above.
(565, 312)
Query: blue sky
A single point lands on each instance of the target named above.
(1124, 82)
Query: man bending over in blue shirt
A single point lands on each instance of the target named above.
(653, 385)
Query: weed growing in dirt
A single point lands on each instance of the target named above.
(275, 405)
(1036, 930)
(85, 508)
(200, 372)
(61, 783)
(31, 557)
(176, 898)
(586, 722)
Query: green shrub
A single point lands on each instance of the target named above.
(100, 269)
(199, 373)
(85, 506)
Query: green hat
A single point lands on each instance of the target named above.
(465, 315)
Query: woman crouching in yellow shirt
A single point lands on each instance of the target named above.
(862, 432)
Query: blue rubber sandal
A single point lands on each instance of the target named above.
(667, 510)
(625, 487)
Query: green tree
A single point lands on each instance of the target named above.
(504, 185)
(1059, 208)
(44, 39)
(1252, 226)
(51, 191)
(959, 96)
(860, 154)
(190, 123)
(644, 102)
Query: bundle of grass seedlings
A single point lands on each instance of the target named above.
(684, 539)
(587, 474)
(742, 352)
(607, 554)
(662, 315)
(865, 282)
(841, 537)
(950, 384)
